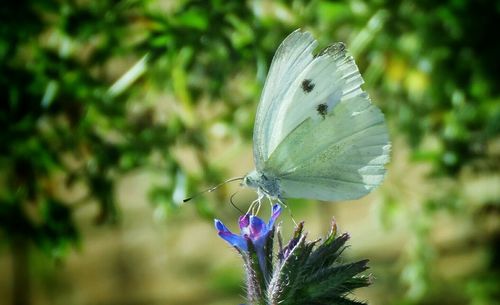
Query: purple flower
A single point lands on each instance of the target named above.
(303, 272)
(252, 229)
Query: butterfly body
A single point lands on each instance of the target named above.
(265, 184)
(316, 133)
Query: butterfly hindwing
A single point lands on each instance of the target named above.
(339, 157)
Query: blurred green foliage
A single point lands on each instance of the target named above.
(80, 83)
(449, 88)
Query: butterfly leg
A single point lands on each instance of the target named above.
(255, 205)
(270, 202)
(281, 201)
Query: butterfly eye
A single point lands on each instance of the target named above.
(248, 181)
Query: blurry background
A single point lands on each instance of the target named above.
(113, 111)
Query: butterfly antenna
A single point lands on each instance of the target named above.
(213, 188)
(234, 205)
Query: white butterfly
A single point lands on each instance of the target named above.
(316, 133)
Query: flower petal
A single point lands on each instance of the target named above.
(257, 227)
(220, 226)
(231, 238)
(234, 240)
(244, 221)
(275, 213)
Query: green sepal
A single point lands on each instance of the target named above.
(326, 253)
(287, 276)
(336, 280)
(304, 273)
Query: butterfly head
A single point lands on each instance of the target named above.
(265, 184)
(252, 179)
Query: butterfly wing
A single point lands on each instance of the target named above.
(340, 157)
(292, 57)
(327, 141)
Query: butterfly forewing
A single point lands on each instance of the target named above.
(292, 57)
(330, 77)
(338, 158)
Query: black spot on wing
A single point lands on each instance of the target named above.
(322, 109)
(307, 85)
